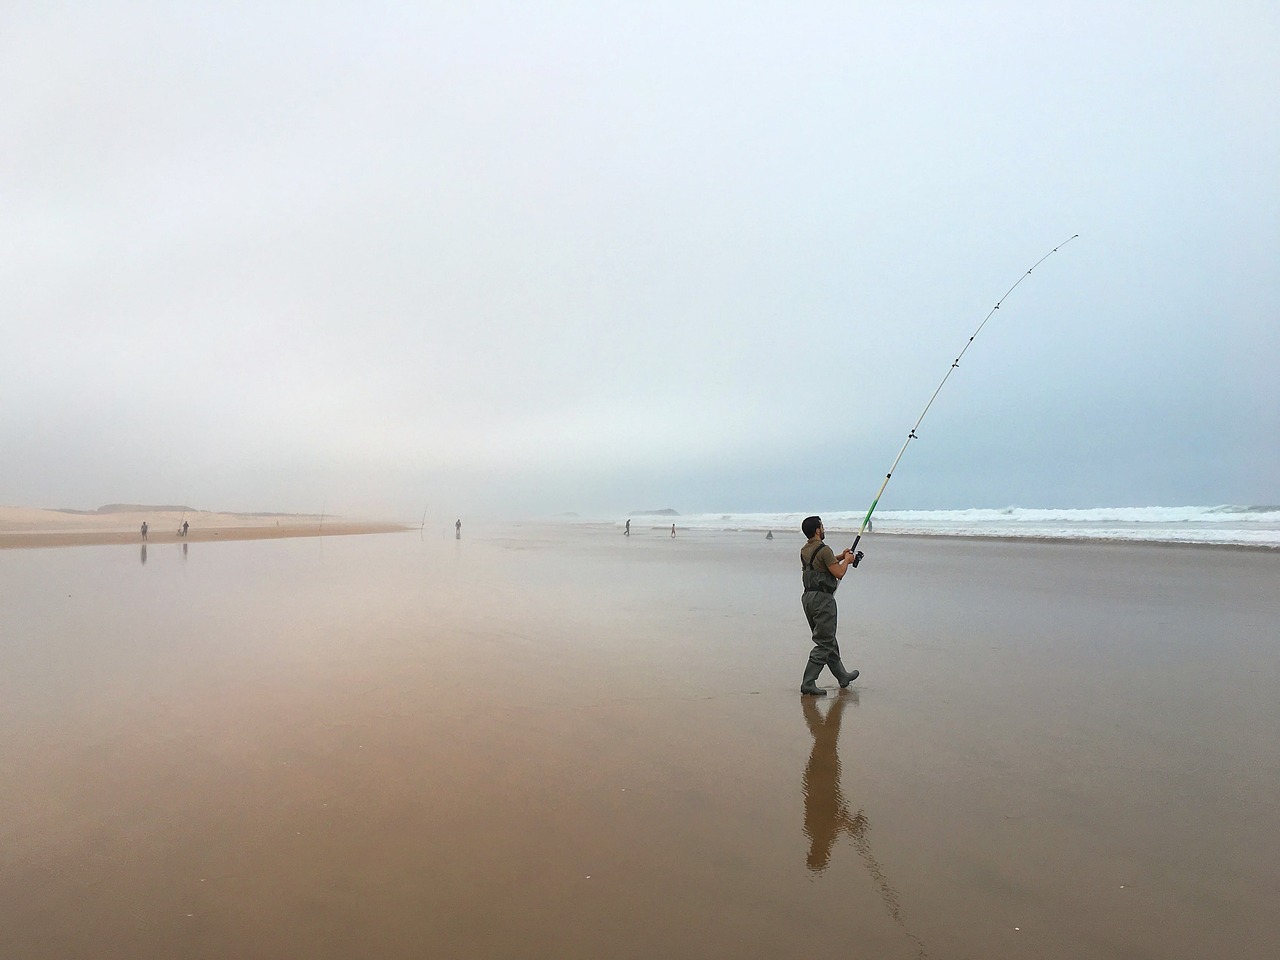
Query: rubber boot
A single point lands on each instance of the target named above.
(845, 677)
(809, 685)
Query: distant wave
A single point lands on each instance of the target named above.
(1234, 509)
(1221, 524)
(1154, 515)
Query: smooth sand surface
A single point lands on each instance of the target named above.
(28, 527)
(563, 743)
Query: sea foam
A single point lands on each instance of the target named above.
(1225, 524)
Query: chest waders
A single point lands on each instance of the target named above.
(819, 604)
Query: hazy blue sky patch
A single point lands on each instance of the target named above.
(593, 256)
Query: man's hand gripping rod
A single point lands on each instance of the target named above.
(955, 363)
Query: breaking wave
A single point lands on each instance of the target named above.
(1223, 524)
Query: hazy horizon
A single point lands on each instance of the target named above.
(371, 260)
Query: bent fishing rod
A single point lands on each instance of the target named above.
(911, 435)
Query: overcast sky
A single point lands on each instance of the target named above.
(524, 258)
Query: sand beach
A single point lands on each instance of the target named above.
(31, 527)
(556, 742)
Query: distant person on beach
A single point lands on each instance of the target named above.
(821, 570)
(144, 531)
(769, 535)
(457, 530)
(627, 532)
(673, 531)
(185, 525)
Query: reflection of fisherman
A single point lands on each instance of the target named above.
(826, 813)
(822, 572)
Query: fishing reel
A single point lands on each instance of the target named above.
(857, 559)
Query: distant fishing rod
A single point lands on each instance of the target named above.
(955, 363)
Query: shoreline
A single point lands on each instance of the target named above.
(96, 538)
(967, 537)
(1099, 541)
(22, 528)
(29, 528)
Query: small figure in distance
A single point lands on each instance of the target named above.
(185, 525)
(627, 532)
(769, 535)
(457, 530)
(673, 531)
(821, 572)
(144, 531)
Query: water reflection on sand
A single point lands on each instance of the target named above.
(827, 814)
(361, 746)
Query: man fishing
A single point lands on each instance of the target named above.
(822, 571)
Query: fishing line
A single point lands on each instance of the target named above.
(955, 363)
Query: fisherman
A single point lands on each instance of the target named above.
(185, 526)
(822, 571)
(627, 532)
(457, 530)
(144, 533)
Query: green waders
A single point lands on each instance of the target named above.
(819, 604)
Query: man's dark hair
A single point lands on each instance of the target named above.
(810, 526)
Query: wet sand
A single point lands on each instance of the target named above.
(563, 743)
(26, 528)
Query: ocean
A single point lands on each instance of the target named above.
(1253, 526)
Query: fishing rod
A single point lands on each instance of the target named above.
(955, 363)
